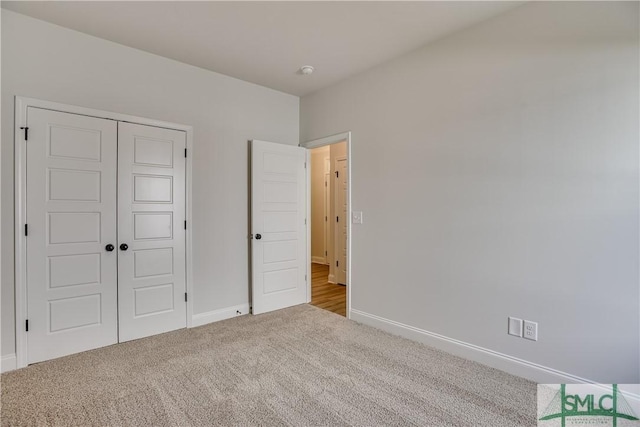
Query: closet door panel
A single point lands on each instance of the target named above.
(151, 215)
(71, 217)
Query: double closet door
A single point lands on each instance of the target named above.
(105, 208)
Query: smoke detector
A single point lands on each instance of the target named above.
(306, 70)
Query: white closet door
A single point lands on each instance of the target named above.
(278, 212)
(151, 233)
(71, 217)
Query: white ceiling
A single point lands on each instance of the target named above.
(267, 42)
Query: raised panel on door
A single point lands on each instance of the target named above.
(278, 210)
(341, 226)
(151, 207)
(71, 197)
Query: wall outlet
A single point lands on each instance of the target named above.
(531, 330)
(356, 217)
(515, 327)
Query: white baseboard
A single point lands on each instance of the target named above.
(217, 315)
(513, 365)
(504, 362)
(319, 260)
(8, 363)
(332, 279)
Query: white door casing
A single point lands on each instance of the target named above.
(278, 226)
(341, 223)
(70, 212)
(151, 223)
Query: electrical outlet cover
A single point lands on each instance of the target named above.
(531, 330)
(515, 327)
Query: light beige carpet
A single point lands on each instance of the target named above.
(301, 366)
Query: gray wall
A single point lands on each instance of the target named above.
(498, 174)
(44, 61)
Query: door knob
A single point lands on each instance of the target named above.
(124, 247)
(258, 236)
(109, 247)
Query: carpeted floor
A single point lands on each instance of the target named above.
(301, 366)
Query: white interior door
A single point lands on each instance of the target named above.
(151, 230)
(71, 218)
(341, 220)
(278, 225)
(327, 213)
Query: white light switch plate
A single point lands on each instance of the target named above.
(515, 327)
(356, 217)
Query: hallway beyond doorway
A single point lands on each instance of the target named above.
(325, 295)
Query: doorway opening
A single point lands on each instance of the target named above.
(329, 225)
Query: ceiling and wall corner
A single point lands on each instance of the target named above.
(267, 42)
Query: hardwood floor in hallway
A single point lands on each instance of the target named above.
(325, 295)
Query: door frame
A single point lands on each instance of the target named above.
(329, 140)
(20, 203)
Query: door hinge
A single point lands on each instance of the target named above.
(337, 219)
(337, 263)
(305, 165)
(337, 174)
(26, 229)
(305, 221)
(26, 132)
(305, 277)
(185, 152)
(26, 325)
(185, 224)
(326, 253)
(325, 183)
(325, 218)
(185, 297)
